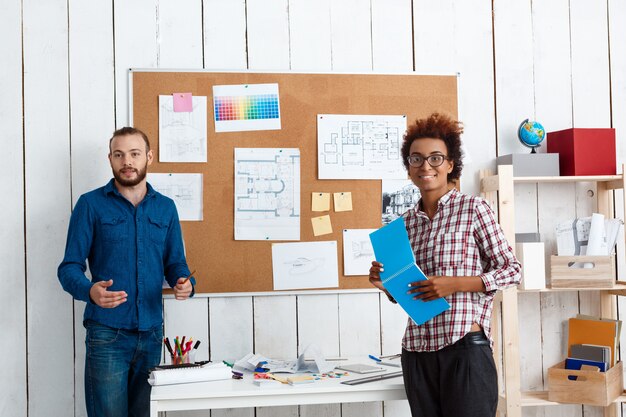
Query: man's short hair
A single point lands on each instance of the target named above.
(124, 131)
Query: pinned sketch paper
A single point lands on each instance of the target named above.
(246, 107)
(343, 201)
(305, 265)
(360, 146)
(320, 201)
(321, 225)
(182, 102)
(358, 252)
(182, 135)
(393, 249)
(267, 194)
(184, 189)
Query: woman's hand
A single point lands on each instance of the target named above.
(375, 271)
(432, 288)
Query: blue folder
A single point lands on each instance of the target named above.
(576, 364)
(393, 249)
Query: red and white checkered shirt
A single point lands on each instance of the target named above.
(463, 239)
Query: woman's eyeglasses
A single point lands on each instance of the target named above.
(417, 161)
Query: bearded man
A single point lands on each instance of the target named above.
(131, 237)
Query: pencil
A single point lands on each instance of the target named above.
(188, 276)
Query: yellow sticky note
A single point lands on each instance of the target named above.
(320, 202)
(343, 201)
(321, 225)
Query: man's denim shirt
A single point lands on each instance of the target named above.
(134, 246)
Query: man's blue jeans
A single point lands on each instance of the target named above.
(116, 370)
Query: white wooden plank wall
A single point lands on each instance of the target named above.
(91, 46)
(47, 177)
(13, 401)
(549, 60)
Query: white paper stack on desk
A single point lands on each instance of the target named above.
(201, 373)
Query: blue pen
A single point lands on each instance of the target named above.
(374, 358)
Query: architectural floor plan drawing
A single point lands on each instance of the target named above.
(184, 189)
(267, 194)
(182, 135)
(360, 146)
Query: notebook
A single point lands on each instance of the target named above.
(393, 249)
(591, 352)
(208, 372)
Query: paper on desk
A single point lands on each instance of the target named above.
(249, 362)
(319, 364)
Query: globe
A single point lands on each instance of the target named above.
(531, 134)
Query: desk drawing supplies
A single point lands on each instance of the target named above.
(393, 249)
(380, 361)
(360, 368)
(300, 379)
(373, 378)
(166, 342)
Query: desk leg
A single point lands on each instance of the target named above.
(153, 409)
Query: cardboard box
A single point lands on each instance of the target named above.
(584, 151)
(589, 387)
(565, 272)
(531, 164)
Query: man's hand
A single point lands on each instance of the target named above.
(182, 290)
(106, 299)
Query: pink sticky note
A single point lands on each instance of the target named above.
(182, 102)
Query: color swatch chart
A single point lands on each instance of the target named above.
(263, 106)
(246, 107)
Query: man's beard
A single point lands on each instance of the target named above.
(141, 174)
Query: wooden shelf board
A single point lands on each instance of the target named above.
(616, 287)
(540, 398)
(596, 178)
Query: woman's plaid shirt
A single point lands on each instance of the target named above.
(463, 239)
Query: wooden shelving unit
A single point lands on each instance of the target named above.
(499, 190)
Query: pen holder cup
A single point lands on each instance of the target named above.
(189, 357)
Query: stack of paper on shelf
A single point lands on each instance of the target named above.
(201, 373)
(593, 236)
(393, 249)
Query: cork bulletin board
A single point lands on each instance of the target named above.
(225, 265)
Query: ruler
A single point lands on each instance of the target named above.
(372, 378)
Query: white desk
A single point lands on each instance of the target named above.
(235, 393)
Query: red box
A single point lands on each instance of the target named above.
(584, 151)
